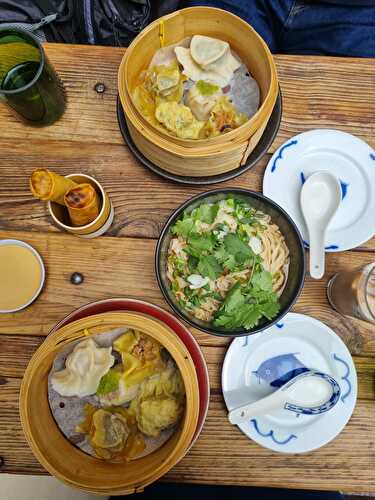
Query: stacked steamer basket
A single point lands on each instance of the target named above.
(218, 154)
(65, 461)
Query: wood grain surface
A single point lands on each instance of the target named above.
(317, 93)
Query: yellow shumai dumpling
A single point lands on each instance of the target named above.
(154, 415)
(160, 401)
(179, 119)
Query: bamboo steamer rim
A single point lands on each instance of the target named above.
(188, 152)
(146, 128)
(100, 323)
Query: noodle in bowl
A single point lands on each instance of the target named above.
(230, 262)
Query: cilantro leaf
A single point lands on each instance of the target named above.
(198, 243)
(238, 248)
(233, 299)
(183, 227)
(226, 259)
(192, 263)
(207, 212)
(270, 309)
(262, 280)
(209, 266)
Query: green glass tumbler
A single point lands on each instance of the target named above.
(28, 82)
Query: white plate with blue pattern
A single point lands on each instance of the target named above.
(346, 156)
(257, 365)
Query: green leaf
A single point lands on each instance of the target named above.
(207, 212)
(238, 248)
(233, 299)
(269, 309)
(183, 227)
(262, 280)
(208, 266)
(200, 243)
(108, 383)
(192, 263)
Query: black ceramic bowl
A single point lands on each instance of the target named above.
(287, 227)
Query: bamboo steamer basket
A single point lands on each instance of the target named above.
(68, 463)
(205, 156)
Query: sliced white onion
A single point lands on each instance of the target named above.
(197, 281)
(256, 245)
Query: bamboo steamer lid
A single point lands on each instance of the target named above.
(69, 464)
(206, 156)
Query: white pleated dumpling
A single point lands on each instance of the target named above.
(206, 50)
(208, 59)
(84, 367)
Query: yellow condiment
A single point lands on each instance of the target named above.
(20, 276)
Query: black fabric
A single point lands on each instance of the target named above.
(165, 491)
(101, 22)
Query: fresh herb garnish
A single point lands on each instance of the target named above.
(108, 383)
(209, 266)
(217, 248)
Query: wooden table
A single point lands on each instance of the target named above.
(317, 92)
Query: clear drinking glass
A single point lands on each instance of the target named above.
(352, 293)
(28, 83)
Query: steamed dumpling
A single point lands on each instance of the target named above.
(206, 50)
(84, 367)
(155, 415)
(160, 401)
(195, 72)
(201, 98)
(179, 119)
(110, 429)
(219, 71)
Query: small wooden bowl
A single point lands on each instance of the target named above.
(59, 456)
(99, 225)
(206, 156)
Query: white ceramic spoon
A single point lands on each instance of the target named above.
(310, 393)
(320, 199)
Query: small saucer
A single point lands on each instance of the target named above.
(22, 277)
(346, 156)
(258, 365)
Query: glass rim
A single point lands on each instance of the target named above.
(32, 37)
(369, 275)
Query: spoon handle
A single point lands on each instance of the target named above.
(317, 254)
(261, 407)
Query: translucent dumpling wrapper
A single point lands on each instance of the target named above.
(84, 367)
(206, 50)
(165, 83)
(224, 117)
(141, 358)
(112, 433)
(201, 98)
(179, 119)
(166, 55)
